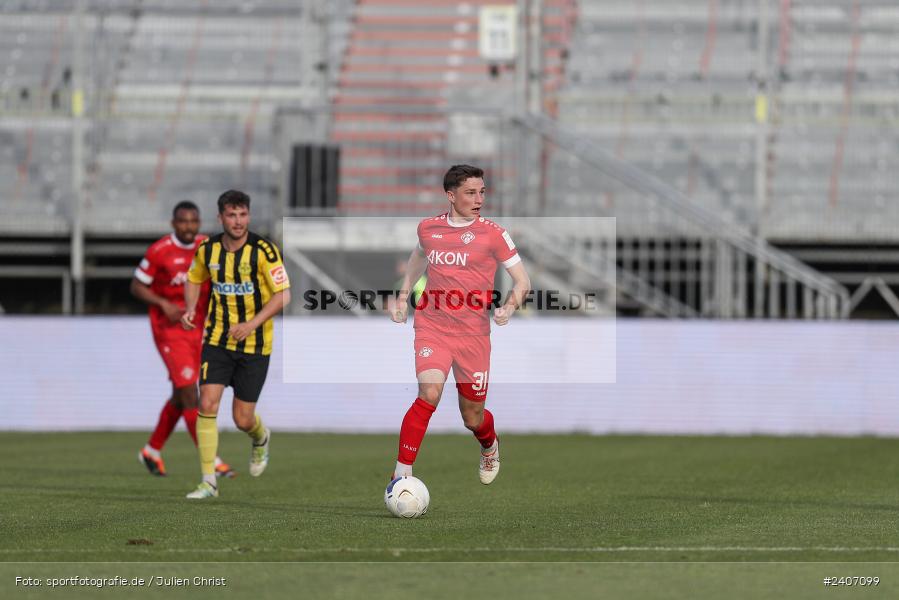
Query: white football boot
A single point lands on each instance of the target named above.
(204, 490)
(259, 457)
(489, 467)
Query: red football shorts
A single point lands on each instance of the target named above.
(468, 355)
(181, 356)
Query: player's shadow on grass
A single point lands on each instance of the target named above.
(96, 492)
(84, 491)
(330, 509)
(106, 494)
(351, 512)
(767, 502)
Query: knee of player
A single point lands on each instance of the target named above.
(430, 394)
(209, 407)
(244, 422)
(472, 419)
(210, 398)
(187, 397)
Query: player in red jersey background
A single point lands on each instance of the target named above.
(461, 251)
(159, 282)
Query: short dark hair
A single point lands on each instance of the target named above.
(457, 175)
(184, 205)
(233, 198)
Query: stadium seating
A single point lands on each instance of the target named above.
(672, 86)
(180, 98)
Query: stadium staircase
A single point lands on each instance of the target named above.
(406, 62)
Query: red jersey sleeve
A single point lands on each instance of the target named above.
(146, 270)
(420, 227)
(503, 248)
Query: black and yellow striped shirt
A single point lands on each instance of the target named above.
(242, 282)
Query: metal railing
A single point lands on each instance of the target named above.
(675, 258)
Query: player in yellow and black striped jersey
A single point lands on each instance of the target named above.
(249, 287)
(242, 283)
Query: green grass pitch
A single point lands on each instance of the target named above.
(597, 501)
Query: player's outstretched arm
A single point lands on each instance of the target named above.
(191, 295)
(415, 268)
(521, 285)
(274, 305)
(142, 292)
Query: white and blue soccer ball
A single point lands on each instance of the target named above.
(407, 497)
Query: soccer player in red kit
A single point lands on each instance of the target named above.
(159, 283)
(461, 251)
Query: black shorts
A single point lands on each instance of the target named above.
(243, 372)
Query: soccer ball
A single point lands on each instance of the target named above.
(407, 497)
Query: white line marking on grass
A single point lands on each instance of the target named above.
(547, 549)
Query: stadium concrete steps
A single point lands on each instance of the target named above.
(404, 64)
(180, 102)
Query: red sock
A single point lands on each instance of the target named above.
(168, 418)
(412, 432)
(486, 434)
(190, 419)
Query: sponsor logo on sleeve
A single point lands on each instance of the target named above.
(509, 241)
(278, 275)
(144, 264)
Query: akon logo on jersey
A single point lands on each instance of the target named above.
(436, 257)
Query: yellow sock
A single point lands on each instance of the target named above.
(207, 442)
(258, 431)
